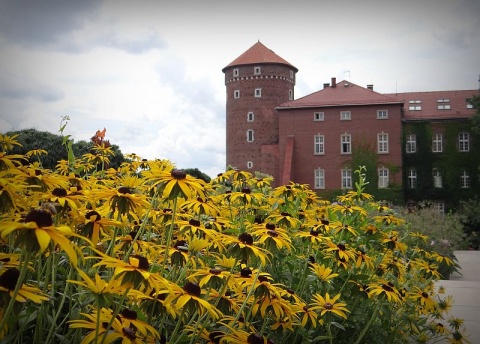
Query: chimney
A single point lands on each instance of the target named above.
(326, 85)
(334, 82)
(370, 87)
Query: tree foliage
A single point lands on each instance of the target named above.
(475, 119)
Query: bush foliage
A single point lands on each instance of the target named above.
(146, 253)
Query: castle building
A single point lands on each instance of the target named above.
(407, 141)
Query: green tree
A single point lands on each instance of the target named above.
(33, 139)
(475, 119)
(471, 220)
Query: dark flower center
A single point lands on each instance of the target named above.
(41, 217)
(9, 279)
(325, 222)
(328, 305)
(179, 174)
(314, 233)
(425, 295)
(270, 226)
(133, 234)
(255, 338)
(272, 233)
(283, 213)
(129, 314)
(92, 213)
(59, 192)
(215, 271)
(246, 272)
(124, 190)
(341, 247)
(246, 238)
(246, 191)
(192, 289)
(194, 222)
(142, 262)
(291, 291)
(311, 259)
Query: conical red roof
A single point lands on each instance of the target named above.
(256, 54)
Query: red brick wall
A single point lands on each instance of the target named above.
(275, 82)
(363, 127)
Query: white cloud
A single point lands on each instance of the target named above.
(150, 71)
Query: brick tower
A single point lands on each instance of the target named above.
(257, 82)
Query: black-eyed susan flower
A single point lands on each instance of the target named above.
(313, 234)
(426, 302)
(178, 183)
(306, 315)
(244, 248)
(201, 206)
(271, 236)
(8, 142)
(392, 242)
(102, 289)
(341, 251)
(37, 232)
(189, 297)
(324, 274)
(329, 305)
(213, 277)
(386, 289)
(8, 281)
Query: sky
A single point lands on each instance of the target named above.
(150, 72)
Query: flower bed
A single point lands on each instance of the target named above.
(148, 254)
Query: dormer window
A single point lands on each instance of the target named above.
(414, 105)
(443, 104)
(257, 70)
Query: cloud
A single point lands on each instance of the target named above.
(20, 87)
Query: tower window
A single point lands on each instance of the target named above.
(258, 93)
(250, 117)
(249, 164)
(290, 95)
(236, 72)
(257, 70)
(236, 94)
(249, 135)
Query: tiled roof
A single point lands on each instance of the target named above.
(256, 54)
(436, 104)
(342, 94)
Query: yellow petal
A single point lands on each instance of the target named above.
(43, 238)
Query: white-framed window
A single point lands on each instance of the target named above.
(440, 206)
(345, 115)
(318, 116)
(414, 105)
(437, 143)
(290, 95)
(443, 104)
(346, 178)
(411, 146)
(346, 144)
(257, 70)
(319, 144)
(463, 142)
(383, 178)
(319, 176)
(469, 105)
(382, 143)
(291, 74)
(250, 135)
(250, 117)
(236, 94)
(382, 114)
(412, 178)
(437, 178)
(258, 93)
(249, 164)
(236, 72)
(465, 180)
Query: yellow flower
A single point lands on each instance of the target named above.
(7, 142)
(322, 272)
(36, 233)
(190, 297)
(8, 282)
(426, 302)
(178, 183)
(272, 236)
(329, 305)
(385, 288)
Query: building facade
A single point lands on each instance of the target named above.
(322, 138)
